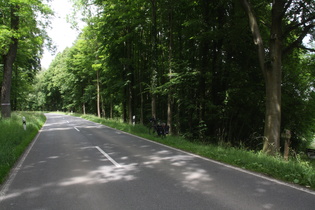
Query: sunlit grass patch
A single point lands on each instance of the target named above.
(14, 139)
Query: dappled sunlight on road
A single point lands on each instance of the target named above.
(30, 191)
(197, 179)
(165, 162)
(103, 174)
(182, 168)
(57, 129)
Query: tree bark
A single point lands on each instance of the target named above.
(98, 93)
(130, 103)
(141, 104)
(170, 71)
(154, 58)
(273, 82)
(273, 113)
(130, 77)
(83, 108)
(9, 59)
(256, 33)
(272, 73)
(103, 107)
(153, 106)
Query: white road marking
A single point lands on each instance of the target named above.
(108, 157)
(77, 129)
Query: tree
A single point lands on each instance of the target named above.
(19, 23)
(8, 60)
(290, 22)
(195, 61)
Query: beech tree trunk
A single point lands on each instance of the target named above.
(98, 93)
(154, 58)
(83, 108)
(273, 82)
(170, 71)
(8, 60)
(272, 73)
(273, 111)
(153, 106)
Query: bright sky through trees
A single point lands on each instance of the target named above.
(61, 32)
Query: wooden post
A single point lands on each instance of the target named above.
(286, 135)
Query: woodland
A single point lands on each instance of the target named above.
(237, 72)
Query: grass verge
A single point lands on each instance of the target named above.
(14, 139)
(297, 170)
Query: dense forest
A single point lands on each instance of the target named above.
(224, 71)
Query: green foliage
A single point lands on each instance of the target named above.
(298, 101)
(5, 36)
(30, 31)
(14, 139)
(193, 58)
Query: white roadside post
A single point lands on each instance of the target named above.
(24, 122)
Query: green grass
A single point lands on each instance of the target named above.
(14, 139)
(298, 170)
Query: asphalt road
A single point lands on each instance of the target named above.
(77, 164)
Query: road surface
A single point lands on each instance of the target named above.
(77, 164)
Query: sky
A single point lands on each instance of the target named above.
(61, 33)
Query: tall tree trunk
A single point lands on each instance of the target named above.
(130, 103)
(153, 106)
(271, 71)
(273, 114)
(141, 105)
(141, 93)
(103, 107)
(9, 59)
(204, 64)
(14, 105)
(111, 108)
(98, 93)
(83, 108)
(125, 95)
(170, 71)
(130, 77)
(124, 105)
(273, 83)
(154, 58)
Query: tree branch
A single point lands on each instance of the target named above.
(298, 41)
(255, 32)
(295, 26)
(306, 48)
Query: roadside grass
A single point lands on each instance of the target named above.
(298, 170)
(14, 139)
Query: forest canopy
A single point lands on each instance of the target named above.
(215, 71)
